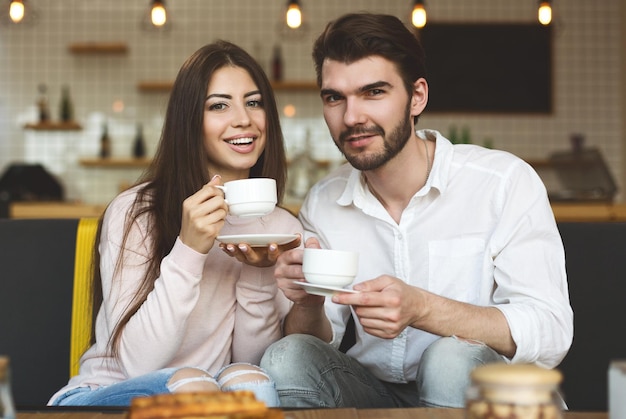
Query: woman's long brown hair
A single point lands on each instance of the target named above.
(180, 165)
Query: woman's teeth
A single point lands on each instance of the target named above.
(238, 141)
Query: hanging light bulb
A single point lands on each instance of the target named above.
(158, 14)
(16, 11)
(17, 14)
(291, 25)
(294, 14)
(157, 18)
(545, 12)
(418, 16)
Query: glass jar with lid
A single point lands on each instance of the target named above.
(514, 391)
(7, 406)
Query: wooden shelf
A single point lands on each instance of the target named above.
(98, 48)
(155, 86)
(539, 164)
(114, 163)
(166, 86)
(294, 85)
(54, 126)
(322, 164)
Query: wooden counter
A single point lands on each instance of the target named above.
(589, 212)
(345, 413)
(564, 212)
(54, 210)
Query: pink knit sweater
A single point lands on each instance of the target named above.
(206, 310)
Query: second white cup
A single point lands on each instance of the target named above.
(252, 197)
(328, 267)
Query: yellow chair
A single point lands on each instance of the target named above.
(45, 302)
(82, 309)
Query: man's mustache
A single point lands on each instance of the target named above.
(357, 131)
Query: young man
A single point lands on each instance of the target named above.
(461, 262)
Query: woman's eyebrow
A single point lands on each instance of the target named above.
(225, 96)
(222, 95)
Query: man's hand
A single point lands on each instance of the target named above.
(289, 269)
(307, 313)
(385, 306)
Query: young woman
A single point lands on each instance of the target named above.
(177, 312)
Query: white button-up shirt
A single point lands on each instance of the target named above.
(480, 231)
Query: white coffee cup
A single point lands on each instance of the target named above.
(328, 267)
(252, 197)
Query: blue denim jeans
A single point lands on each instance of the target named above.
(310, 373)
(121, 394)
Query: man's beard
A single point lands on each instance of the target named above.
(393, 144)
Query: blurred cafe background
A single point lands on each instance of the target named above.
(84, 85)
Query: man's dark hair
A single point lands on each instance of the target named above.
(358, 35)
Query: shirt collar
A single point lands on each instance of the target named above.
(444, 152)
(355, 189)
(356, 192)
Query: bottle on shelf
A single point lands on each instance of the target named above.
(577, 142)
(42, 104)
(453, 135)
(7, 405)
(66, 108)
(303, 170)
(105, 142)
(466, 137)
(277, 64)
(139, 145)
(257, 53)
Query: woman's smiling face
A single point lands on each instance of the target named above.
(234, 123)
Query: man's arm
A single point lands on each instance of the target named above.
(386, 306)
(307, 313)
(448, 317)
(310, 320)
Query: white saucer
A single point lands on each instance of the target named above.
(257, 239)
(325, 290)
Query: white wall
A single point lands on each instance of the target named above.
(587, 76)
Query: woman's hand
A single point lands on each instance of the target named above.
(204, 214)
(260, 257)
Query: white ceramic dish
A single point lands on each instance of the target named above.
(325, 290)
(256, 240)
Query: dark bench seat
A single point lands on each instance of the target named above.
(36, 275)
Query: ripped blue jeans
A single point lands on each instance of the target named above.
(311, 373)
(121, 393)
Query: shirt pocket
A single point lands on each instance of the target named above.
(455, 268)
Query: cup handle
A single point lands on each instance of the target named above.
(223, 189)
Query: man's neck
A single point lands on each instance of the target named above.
(395, 183)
